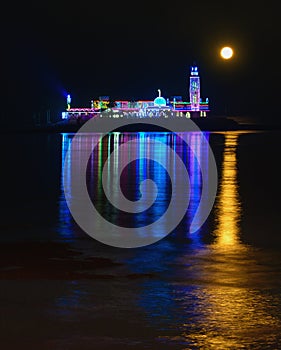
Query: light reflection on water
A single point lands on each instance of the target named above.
(219, 294)
(230, 312)
(219, 288)
(140, 170)
(228, 204)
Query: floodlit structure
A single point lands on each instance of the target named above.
(195, 108)
(194, 89)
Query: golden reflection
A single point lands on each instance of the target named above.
(228, 206)
(231, 311)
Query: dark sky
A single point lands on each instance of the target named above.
(129, 50)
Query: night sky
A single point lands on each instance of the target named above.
(129, 50)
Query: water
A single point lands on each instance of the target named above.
(218, 288)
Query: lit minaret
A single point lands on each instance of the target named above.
(194, 89)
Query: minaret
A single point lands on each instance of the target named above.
(194, 89)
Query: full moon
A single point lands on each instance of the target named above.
(226, 52)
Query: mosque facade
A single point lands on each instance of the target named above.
(194, 108)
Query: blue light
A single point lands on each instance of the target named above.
(194, 70)
(64, 115)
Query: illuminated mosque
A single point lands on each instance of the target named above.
(103, 107)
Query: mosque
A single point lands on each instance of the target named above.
(103, 107)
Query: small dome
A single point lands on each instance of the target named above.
(159, 101)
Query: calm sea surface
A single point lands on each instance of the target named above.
(217, 288)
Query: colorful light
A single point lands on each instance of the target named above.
(143, 108)
(68, 101)
(194, 89)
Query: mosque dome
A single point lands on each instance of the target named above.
(159, 101)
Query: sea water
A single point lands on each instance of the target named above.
(216, 288)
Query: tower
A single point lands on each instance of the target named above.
(194, 89)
